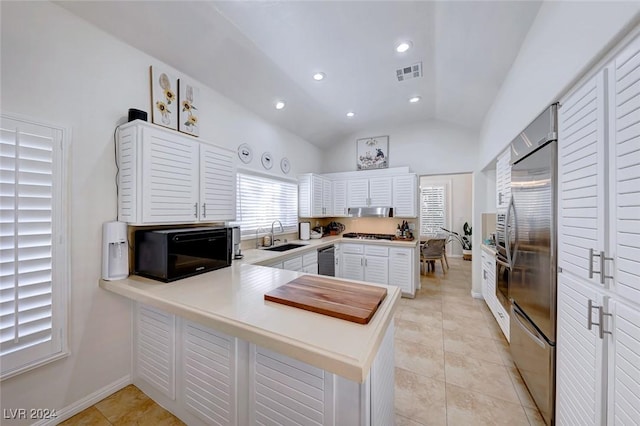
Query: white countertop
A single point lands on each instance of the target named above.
(265, 257)
(490, 249)
(231, 300)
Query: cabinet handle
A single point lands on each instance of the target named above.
(500, 198)
(484, 275)
(501, 315)
(361, 262)
(204, 209)
(601, 315)
(195, 210)
(365, 262)
(601, 272)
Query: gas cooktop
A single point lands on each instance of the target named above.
(365, 236)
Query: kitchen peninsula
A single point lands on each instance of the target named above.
(210, 349)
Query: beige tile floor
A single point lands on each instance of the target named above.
(452, 366)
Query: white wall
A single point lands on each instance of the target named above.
(459, 205)
(564, 42)
(565, 39)
(432, 147)
(57, 68)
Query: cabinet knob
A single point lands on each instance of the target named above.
(195, 210)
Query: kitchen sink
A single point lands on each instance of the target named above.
(285, 247)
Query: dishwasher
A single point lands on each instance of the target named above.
(326, 262)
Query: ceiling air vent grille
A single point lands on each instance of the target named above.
(407, 73)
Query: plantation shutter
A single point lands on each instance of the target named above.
(432, 209)
(261, 200)
(30, 309)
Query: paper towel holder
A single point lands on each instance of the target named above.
(304, 230)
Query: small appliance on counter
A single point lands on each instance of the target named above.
(305, 230)
(115, 251)
(172, 254)
(236, 235)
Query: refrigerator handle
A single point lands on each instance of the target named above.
(534, 335)
(507, 234)
(512, 205)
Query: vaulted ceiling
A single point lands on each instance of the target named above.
(258, 52)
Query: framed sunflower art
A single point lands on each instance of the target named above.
(164, 98)
(189, 101)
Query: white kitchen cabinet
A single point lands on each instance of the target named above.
(340, 198)
(405, 196)
(206, 377)
(314, 196)
(293, 264)
(598, 379)
(154, 350)
(209, 374)
(372, 192)
(217, 184)
(489, 293)
(310, 262)
(365, 263)
(402, 269)
(503, 180)
(167, 177)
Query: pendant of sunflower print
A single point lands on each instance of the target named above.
(164, 99)
(189, 96)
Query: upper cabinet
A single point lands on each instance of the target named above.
(405, 196)
(503, 180)
(372, 192)
(314, 196)
(598, 349)
(167, 177)
(322, 196)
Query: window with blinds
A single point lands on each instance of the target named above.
(261, 200)
(33, 260)
(432, 209)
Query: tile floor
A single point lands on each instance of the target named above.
(452, 366)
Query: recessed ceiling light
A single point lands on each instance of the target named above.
(404, 46)
(351, 114)
(415, 99)
(279, 104)
(319, 76)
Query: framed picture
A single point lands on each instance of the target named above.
(164, 98)
(189, 102)
(372, 153)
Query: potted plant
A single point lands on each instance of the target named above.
(464, 240)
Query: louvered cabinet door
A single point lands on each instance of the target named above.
(580, 369)
(624, 364)
(357, 192)
(624, 173)
(217, 184)
(381, 192)
(209, 375)
(284, 391)
(339, 206)
(581, 179)
(317, 185)
(170, 177)
(405, 196)
(154, 354)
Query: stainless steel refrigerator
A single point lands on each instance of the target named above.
(531, 236)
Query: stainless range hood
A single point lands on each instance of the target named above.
(371, 211)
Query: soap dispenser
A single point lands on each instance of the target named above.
(115, 251)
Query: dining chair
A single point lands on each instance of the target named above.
(432, 251)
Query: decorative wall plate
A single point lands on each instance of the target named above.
(284, 165)
(245, 153)
(267, 160)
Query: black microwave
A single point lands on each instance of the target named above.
(171, 254)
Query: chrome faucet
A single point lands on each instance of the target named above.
(272, 233)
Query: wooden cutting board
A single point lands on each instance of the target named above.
(330, 296)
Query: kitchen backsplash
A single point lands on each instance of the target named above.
(372, 225)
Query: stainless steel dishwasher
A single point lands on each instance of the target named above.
(326, 263)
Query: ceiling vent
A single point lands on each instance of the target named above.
(409, 72)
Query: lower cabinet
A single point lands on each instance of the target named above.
(598, 356)
(307, 263)
(402, 270)
(380, 265)
(489, 293)
(206, 377)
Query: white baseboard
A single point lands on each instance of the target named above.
(476, 295)
(86, 402)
